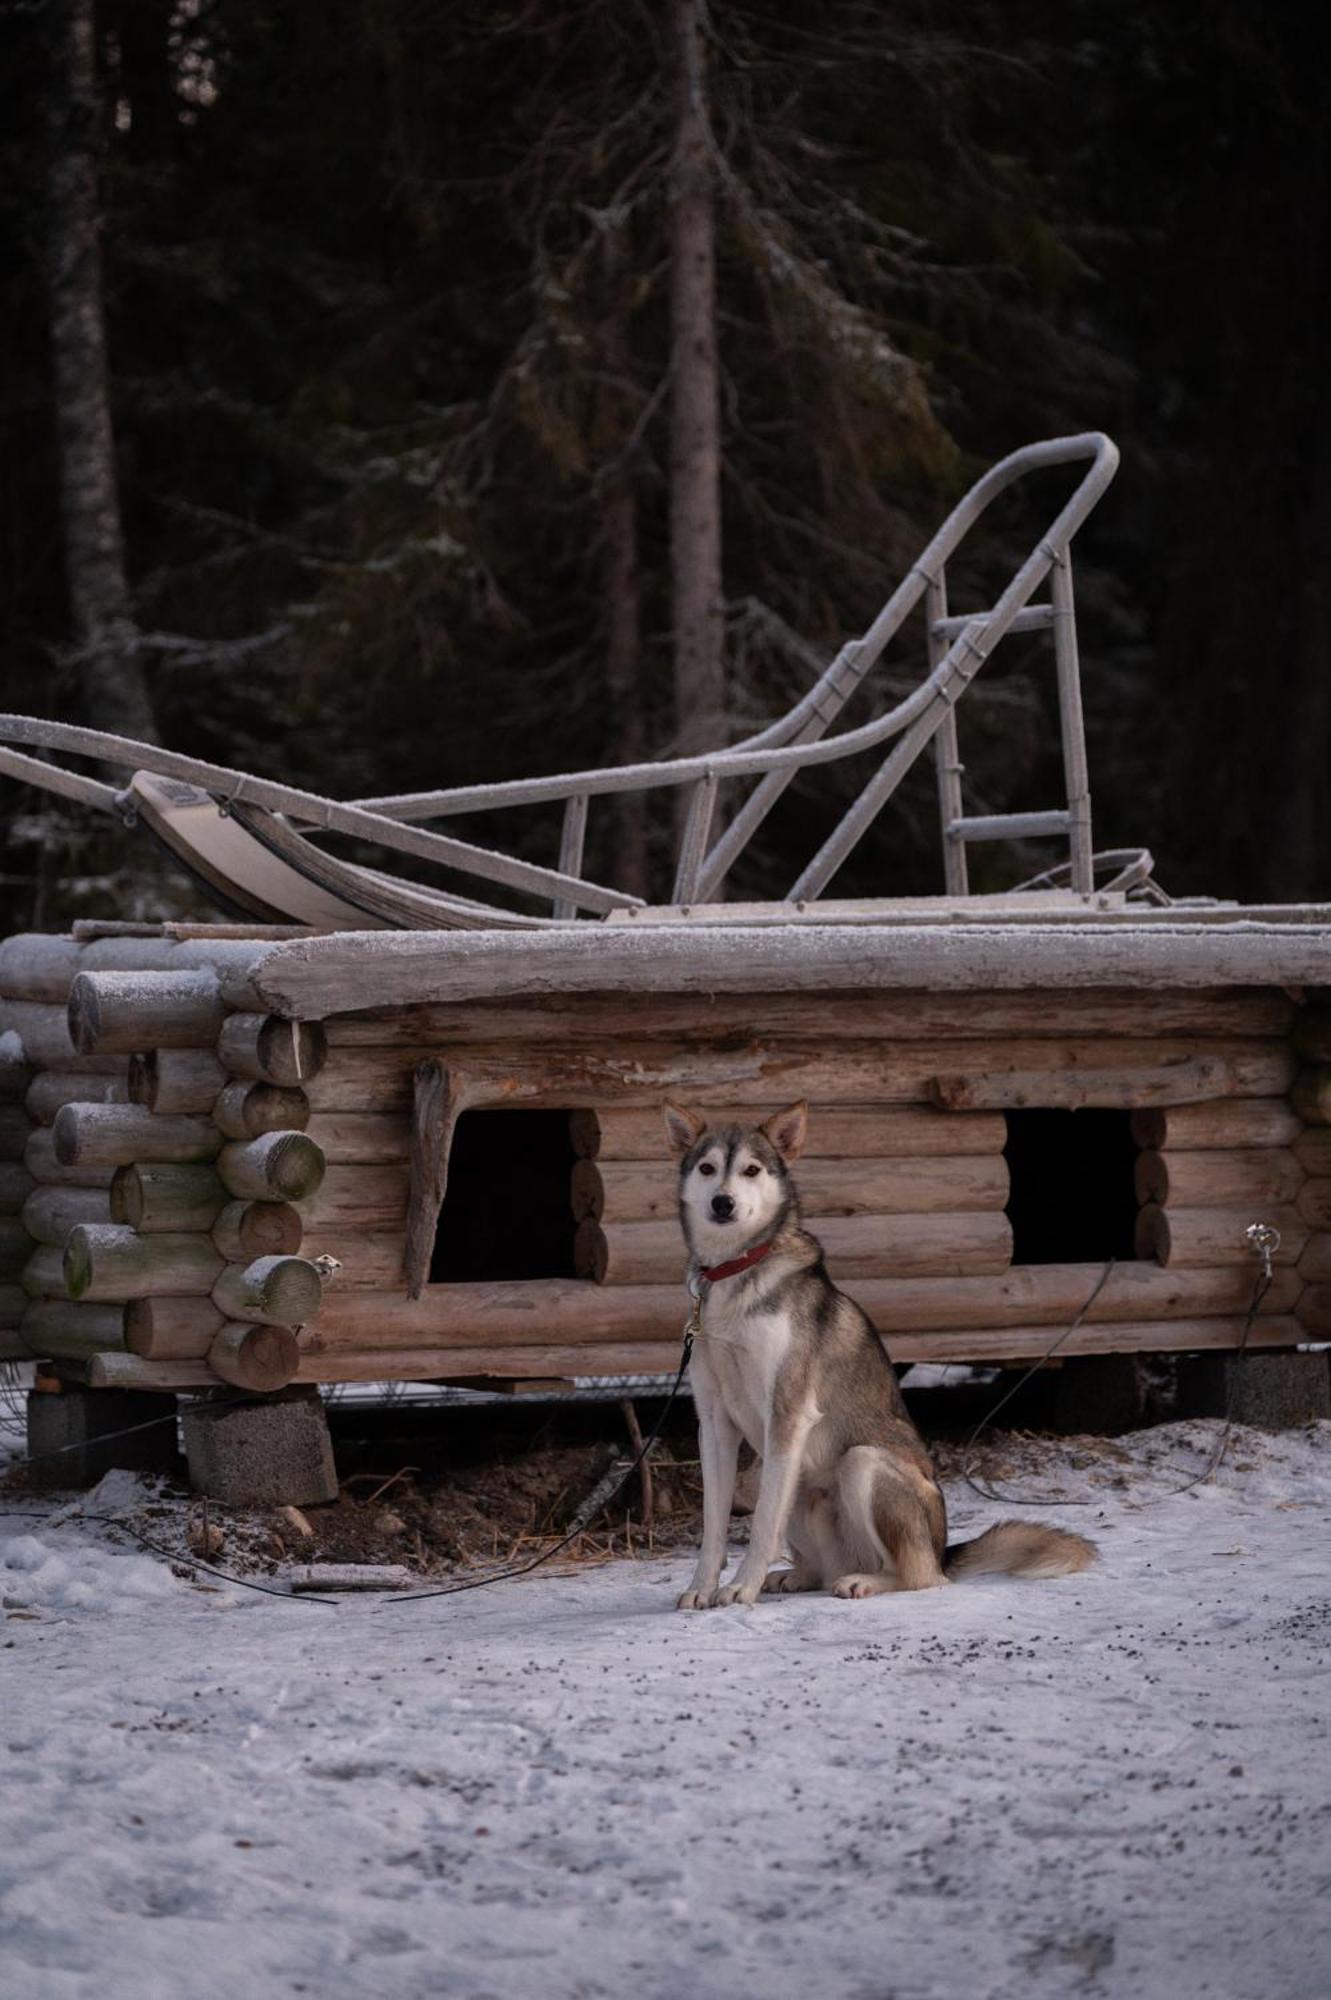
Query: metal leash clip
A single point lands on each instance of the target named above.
(1263, 1241)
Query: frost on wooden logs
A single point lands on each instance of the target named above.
(117, 1135)
(109, 1261)
(120, 1013)
(50, 1091)
(277, 1166)
(278, 1291)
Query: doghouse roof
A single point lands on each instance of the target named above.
(310, 978)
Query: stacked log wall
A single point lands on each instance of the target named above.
(908, 1196)
(139, 1256)
(228, 1190)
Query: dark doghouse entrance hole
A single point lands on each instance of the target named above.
(508, 1212)
(1072, 1199)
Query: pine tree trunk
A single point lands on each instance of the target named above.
(111, 679)
(695, 444)
(621, 594)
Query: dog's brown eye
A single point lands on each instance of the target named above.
(706, 1171)
(752, 1173)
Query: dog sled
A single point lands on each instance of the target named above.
(262, 849)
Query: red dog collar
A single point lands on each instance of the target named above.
(737, 1264)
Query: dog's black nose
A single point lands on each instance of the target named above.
(723, 1207)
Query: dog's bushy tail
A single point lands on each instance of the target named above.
(1019, 1548)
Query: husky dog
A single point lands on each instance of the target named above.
(786, 1361)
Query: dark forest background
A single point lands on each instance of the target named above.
(387, 308)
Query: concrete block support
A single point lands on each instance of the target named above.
(273, 1452)
(1272, 1391)
(72, 1434)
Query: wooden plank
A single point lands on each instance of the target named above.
(438, 1095)
(502, 1314)
(364, 1262)
(312, 979)
(849, 1073)
(850, 1132)
(624, 1191)
(985, 1344)
(428, 1364)
(858, 1246)
(1245, 1012)
(360, 1197)
(1074, 1090)
(129, 1371)
(352, 1138)
(1222, 1123)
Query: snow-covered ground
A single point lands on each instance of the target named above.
(1117, 1784)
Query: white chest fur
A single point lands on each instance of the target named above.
(737, 1359)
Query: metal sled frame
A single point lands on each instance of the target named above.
(958, 647)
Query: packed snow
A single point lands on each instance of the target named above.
(1112, 1785)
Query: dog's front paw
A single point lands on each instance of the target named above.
(741, 1591)
(696, 1600)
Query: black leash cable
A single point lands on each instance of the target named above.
(1265, 1279)
(330, 1601)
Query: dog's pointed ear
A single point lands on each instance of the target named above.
(786, 1130)
(683, 1128)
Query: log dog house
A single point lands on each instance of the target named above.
(257, 1159)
